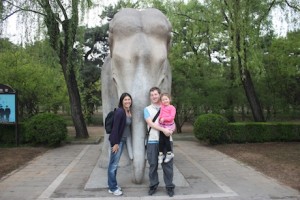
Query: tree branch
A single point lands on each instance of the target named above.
(187, 16)
(47, 8)
(292, 6)
(62, 9)
(267, 13)
(40, 3)
(230, 10)
(24, 9)
(224, 13)
(9, 15)
(21, 9)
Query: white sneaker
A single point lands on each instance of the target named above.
(169, 157)
(160, 158)
(117, 192)
(118, 187)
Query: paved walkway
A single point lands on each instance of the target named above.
(70, 172)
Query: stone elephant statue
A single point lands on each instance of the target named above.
(139, 43)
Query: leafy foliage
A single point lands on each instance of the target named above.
(96, 49)
(35, 74)
(61, 20)
(282, 73)
(211, 127)
(46, 129)
(203, 56)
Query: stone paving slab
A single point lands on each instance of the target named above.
(63, 173)
(96, 180)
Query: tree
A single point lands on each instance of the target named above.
(282, 74)
(216, 49)
(198, 81)
(61, 18)
(31, 72)
(95, 49)
(186, 58)
(243, 19)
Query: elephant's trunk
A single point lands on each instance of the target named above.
(140, 97)
(138, 137)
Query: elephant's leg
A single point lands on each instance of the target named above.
(129, 147)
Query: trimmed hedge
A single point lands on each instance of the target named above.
(263, 132)
(212, 128)
(216, 130)
(46, 129)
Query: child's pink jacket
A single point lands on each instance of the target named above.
(168, 113)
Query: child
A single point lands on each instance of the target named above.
(166, 120)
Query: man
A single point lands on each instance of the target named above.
(7, 113)
(153, 144)
(1, 114)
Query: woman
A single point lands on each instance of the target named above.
(120, 131)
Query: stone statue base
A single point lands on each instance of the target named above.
(98, 178)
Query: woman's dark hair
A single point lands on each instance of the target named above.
(125, 94)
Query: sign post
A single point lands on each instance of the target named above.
(9, 108)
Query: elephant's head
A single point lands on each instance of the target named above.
(139, 43)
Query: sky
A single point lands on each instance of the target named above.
(14, 31)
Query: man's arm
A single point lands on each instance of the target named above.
(150, 123)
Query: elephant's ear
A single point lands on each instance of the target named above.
(169, 36)
(110, 42)
(169, 39)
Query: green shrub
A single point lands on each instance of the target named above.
(263, 132)
(46, 128)
(216, 130)
(211, 127)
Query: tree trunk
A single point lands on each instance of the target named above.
(180, 118)
(68, 57)
(229, 109)
(178, 126)
(243, 113)
(73, 92)
(252, 98)
(246, 79)
(75, 104)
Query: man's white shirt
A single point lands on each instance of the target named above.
(150, 111)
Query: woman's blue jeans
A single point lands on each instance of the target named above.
(113, 167)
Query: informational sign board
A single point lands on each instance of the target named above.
(7, 108)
